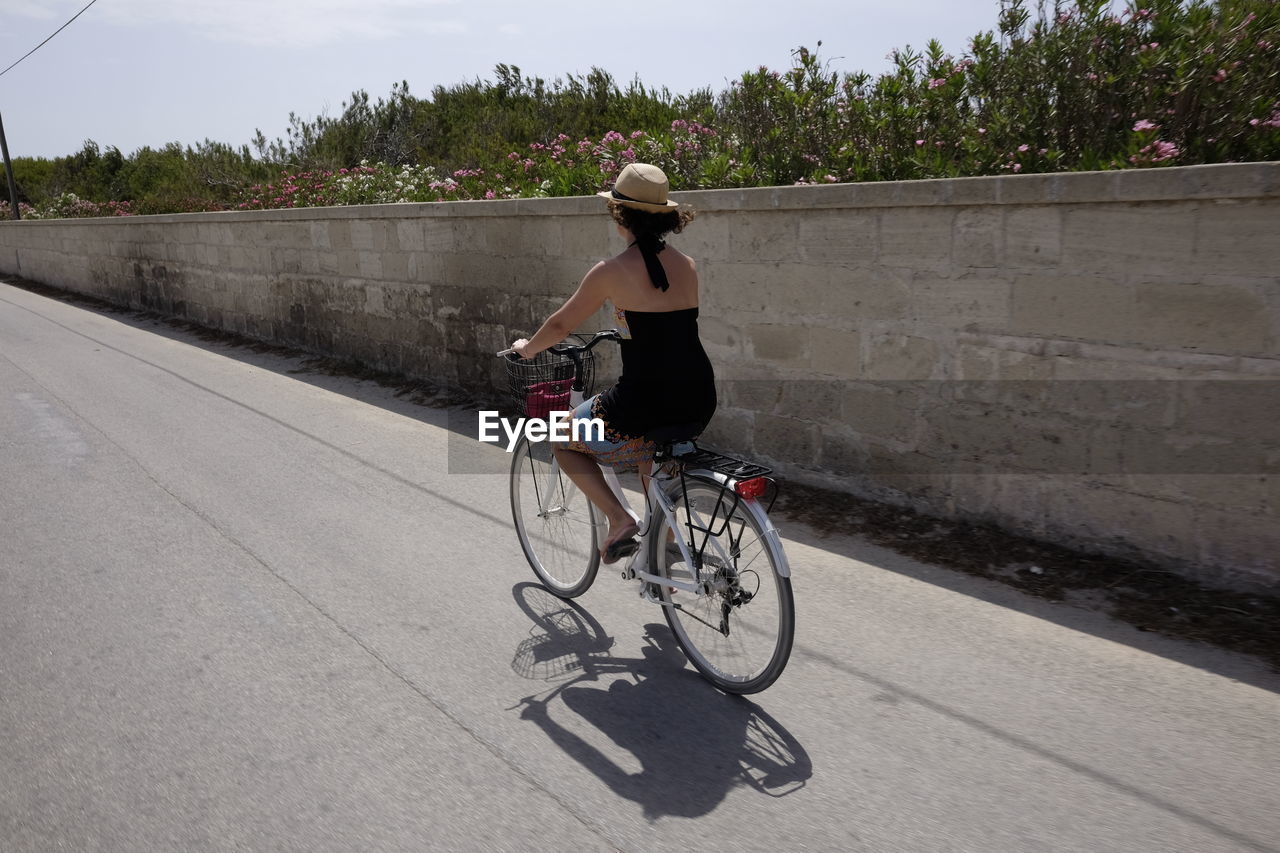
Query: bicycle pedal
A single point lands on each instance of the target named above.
(618, 550)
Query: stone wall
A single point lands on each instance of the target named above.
(1085, 358)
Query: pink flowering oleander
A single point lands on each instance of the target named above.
(1143, 124)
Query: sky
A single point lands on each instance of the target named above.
(134, 73)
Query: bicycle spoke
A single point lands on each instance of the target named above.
(556, 525)
(738, 636)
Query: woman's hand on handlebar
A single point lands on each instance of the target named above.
(518, 347)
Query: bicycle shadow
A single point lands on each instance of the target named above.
(693, 743)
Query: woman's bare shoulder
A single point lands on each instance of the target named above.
(681, 257)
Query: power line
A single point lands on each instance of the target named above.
(46, 41)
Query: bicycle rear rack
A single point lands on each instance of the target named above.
(691, 456)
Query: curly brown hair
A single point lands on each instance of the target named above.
(651, 226)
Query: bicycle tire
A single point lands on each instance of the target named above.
(556, 525)
(761, 631)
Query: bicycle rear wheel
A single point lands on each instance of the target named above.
(739, 635)
(556, 524)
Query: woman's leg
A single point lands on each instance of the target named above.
(586, 475)
(646, 475)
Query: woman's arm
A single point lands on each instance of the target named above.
(591, 294)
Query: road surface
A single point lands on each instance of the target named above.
(246, 607)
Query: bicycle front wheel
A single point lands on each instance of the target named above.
(555, 522)
(739, 632)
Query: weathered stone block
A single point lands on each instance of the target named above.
(587, 237)
(970, 302)
(1245, 546)
(901, 357)
(1253, 493)
(842, 236)
(1232, 180)
(1218, 319)
(781, 344)
(716, 332)
(368, 235)
(835, 352)
(842, 452)
(979, 237)
(741, 288)
(792, 439)
(395, 266)
(1240, 409)
(1239, 238)
(1032, 236)
(883, 411)
(425, 268)
(764, 237)
(1082, 187)
(732, 430)
(328, 262)
(983, 362)
(370, 265)
(859, 294)
(1083, 307)
(916, 237)
(540, 237)
(410, 236)
(1175, 453)
(1023, 189)
(438, 235)
(320, 235)
(310, 262)
(339, 235)
(707, 238)
(1128, 239)
(982, 190)
(815, 400)
(1137, 403)
(1151, 185)
(753, 395)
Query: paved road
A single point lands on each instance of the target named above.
(248, 608)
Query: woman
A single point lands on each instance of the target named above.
(667, 384)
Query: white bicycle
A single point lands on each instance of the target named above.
(709, 555)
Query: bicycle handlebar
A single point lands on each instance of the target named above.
(570, 349)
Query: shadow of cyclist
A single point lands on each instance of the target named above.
(693, 743)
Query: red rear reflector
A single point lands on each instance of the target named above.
(753, 488)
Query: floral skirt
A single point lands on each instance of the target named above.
(617, 450)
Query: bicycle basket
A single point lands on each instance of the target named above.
(541, 385)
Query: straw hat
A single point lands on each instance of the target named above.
(643, 187)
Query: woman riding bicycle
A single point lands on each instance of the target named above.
(667, 387)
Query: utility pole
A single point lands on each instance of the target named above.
(8, 171)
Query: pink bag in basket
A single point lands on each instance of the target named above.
(544, 398)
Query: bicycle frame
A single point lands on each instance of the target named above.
(657, 502)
